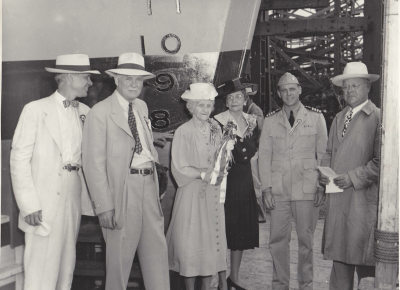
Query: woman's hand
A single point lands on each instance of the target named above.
(230, 145)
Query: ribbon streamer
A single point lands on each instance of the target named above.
(295, 125)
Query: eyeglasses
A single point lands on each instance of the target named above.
(236, 97)
(354, 87)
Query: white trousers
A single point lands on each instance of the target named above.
(49, 261)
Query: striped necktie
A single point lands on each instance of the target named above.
(347, 121)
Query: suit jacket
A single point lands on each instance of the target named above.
(36, 164)
(107, 151)
(351, 215)
(288, 160)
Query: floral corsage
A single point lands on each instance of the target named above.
(252, 123)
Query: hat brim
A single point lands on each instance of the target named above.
(130, 72)
(338, 80)
(234, 90)
(63, 71)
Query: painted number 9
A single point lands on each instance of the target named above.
(159, 119)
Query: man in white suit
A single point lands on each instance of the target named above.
(119, 161)
(47, 181)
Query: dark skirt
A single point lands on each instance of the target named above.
(241, 218)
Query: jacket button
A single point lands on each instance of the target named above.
(245, 158)
(244, 150)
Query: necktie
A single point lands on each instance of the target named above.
(347, 121)
(73, 103)
(291, 119)
(133, 127)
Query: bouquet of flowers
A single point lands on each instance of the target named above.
(222, 159)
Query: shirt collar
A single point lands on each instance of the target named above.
(59, 98)
(295, 111)
(359, 107)
(124, 103)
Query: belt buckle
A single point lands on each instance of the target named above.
(69, 167)
(143, 171)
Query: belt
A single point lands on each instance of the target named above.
(141, 171)
(69, 167)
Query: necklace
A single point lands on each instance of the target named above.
(201, 131)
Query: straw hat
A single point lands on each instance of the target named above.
(72, 64)
(131, 64)
(200, 91)
(354, 70)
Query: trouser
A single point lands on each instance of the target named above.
(342, 275)
(143, 230)
(49, 261)
(305, 215)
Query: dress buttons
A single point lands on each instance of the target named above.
(245, 158)
(244, 149)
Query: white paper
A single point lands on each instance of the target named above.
(331, 187)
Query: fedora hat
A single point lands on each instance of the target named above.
(200, 91)
(354, 70)
(72, 64)
(251, 90)
(130, 64)
(233, 86)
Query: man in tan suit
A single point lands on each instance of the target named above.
(119, 164)
(292, 143)
(48, 185)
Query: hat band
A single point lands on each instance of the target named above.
(74, 67)
(130, 66)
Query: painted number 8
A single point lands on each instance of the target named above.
(159, 119)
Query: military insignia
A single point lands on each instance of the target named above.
(273, 112)
(313, 109)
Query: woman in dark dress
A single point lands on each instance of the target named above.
(241, 218)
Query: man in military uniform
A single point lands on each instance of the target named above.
(292, 143)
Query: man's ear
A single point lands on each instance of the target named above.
(279, 94)
(70, 78)
(116, 81)
(300, 90)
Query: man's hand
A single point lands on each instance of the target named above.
(160, 138)
(343, 181)
(34, 219)
(107, 219)
(323, 179)
(319, 197)
(268, 198)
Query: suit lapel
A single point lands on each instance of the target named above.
(283, 120)
(117, 115)
(52, 122)
(143, 121)
(340, 124)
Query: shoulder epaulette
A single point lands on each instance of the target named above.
(313, 109)
(273, 112)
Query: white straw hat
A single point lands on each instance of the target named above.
(72, 64)
(354, 70)
(131, 64)
(200, 91)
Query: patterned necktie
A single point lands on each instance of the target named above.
(291, 119)
(347, 121)
(133, 127)
(73, 103)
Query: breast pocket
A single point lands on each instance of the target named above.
(277, 178)
(307, 137)
(310, 175)
(278, 141)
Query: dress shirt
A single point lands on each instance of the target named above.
(71, 133)
(140, 160)
(295, 111)
(357, 109)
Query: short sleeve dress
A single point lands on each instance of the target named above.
(196, 235)
(241, 216)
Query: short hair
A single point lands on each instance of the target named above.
(59, 78)
(190, 104)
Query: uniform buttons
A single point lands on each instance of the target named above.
(291, 157)
(245, 158)
(218, 243)
(215, 196)
(206, 143)
(291, 147)
(244, 149)
(217, 250)
(217, 236)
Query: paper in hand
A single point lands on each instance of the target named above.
(328, 172)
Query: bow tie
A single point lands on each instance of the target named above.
(73, 103)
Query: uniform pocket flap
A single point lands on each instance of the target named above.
(277, 134)
(310, 163)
